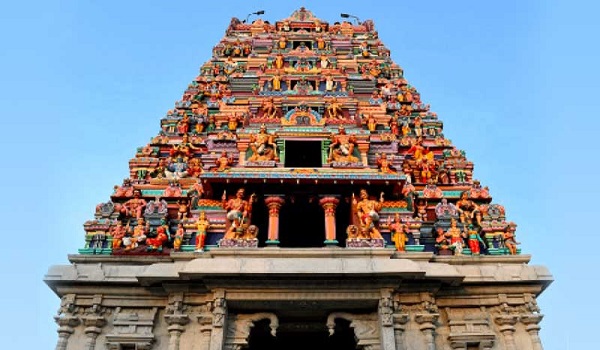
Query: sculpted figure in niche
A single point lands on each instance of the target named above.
(467, 209)
(342, 146)
(135, 206)
(385, 165)
(334, 109)
(238, 212)
(118, 233)
(268, 108)
(367, 211)
(262, 146)
(224, 162)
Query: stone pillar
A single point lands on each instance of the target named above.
(532, 326)
(205, 320)
(176, 327)
(65, 329)
(219, 323)
(93, 327)
(400, 321)
(427, 326)
(506, 324)
(274, 204)
(386, 322)
(329, 204)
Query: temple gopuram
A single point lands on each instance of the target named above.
(300, 195)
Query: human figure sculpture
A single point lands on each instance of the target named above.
(238, 212)
(183, 125)
(399, 232)
(342, 147)
(509, 239)
(467, 209)
(279, 61)
(182, 209)
(162, 235)
(138, 236)
(456, 237)
(443, 241)
(135, 206)
(184, 149)
(367, 211)
(262, 146)
(474, 240)
(125, 190)
(371, 123)
(202, 225)
(334, 109)
(118, 233)
(276, 82)
(268, 107)
(224, 162)
(194, 167)
(178, 238)
(385, 165)
(330, 85)
(282, 43)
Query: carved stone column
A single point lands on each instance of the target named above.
(176, 328)
(219, 322)
(386, 321)
(205, 320)
(427, 326)
(531, 322)
(93, 327)
(506, 324)
(329, 205)
(400, 321)
(65, 329)
(274, 204)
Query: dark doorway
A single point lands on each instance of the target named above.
(302, 222)
(303, 154)
(302, 336)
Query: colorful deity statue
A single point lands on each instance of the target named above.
(135, 206)
(399, 232)
(320, 44)
(334, 109)
(125, 190)
(467, 209)
(195, 168)
(509, 240)
(202, 225)
(474, 240)
(262, 146)
(162, 235)
(342, 147)
(239, 211)
(185, 148)
(276, 82)
(282, 43)
(268, 107)
(224, 162)
(456, 237)
(330, 84)
(385, 165)
(364, 49)
(279, 61)
(443, 242)
(367, 211)
(118, 233)
(178, 238)
(137, 236)
(183, 125)
(371, 123)
(230, 66)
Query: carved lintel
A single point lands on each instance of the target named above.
(239, 326)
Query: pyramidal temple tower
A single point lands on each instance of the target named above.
(300, 195)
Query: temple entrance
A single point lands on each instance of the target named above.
(302, 222)
(302, 336)
(303, 154)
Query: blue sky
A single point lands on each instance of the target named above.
(85, 82)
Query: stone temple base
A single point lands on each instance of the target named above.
(239, 243)
(365, 243)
